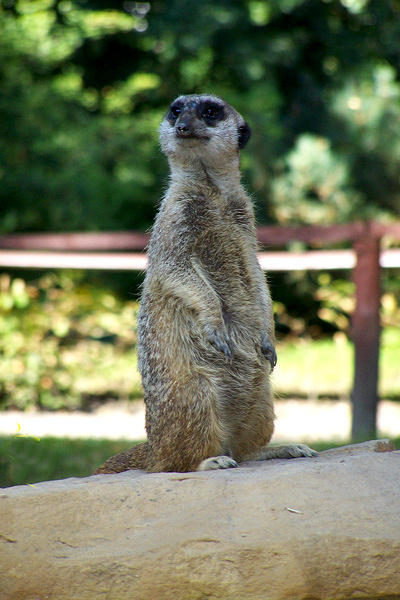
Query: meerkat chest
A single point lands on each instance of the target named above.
(225, 243)
(222, 216)
(217, 231)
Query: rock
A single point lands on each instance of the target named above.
(371, 446)
(322, 528)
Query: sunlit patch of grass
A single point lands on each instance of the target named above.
(325, 367)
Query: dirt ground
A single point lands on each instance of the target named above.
(297, 420)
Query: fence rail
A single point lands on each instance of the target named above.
(113, 250)
(312, 260)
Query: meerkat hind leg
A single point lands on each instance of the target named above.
(133, 458)
(217, 462)
(292, 451)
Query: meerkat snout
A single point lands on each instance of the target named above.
(184, 126)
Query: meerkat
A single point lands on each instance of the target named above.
(206, 340)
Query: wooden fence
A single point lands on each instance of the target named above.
(119, 251)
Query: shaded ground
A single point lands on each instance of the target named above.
(297, 420)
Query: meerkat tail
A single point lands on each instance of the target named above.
(134, 458)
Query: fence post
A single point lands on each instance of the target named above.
(366, 337)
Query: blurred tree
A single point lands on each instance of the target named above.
(71, 157)
(84, 84)
(315, 185)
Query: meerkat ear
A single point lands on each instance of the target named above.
(244, 135)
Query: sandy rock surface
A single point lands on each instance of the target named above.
(322, 528)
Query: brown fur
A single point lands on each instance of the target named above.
(206, 330)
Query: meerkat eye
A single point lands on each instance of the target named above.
(175, 111)
(210, 112)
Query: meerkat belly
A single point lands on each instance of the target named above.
(230, 271)
(172, 333)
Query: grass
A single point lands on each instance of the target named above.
(26, 460)
(315, 368)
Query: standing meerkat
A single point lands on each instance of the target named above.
(206, 329)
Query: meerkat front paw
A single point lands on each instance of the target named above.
(217, 462)
(299, 450)
(291, 451)
(220, 340)
(268, 349)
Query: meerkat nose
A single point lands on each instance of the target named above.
(183, 126)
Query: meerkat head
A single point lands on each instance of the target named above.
(203, 127)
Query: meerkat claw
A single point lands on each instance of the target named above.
(299, 450)
(269, 352)
(224, 345)
(217, 462)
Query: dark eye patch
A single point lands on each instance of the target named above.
(174, 112)
(212, 113)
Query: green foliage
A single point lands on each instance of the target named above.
(65, 164)
(68, 344)
(63, 342)
(84, 84)
(315, 304)
(315, 186)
